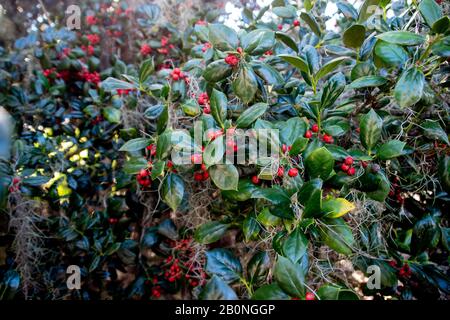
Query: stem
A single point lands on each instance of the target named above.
(247, 286)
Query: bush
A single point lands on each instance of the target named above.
(356, 179)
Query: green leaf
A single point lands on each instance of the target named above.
(210, 232)
(298, 146)
(404, 38)
(290, 277)
(217, 289)
(219, 103)
(269, 74)
(297, 62)
(112, 84)
(135, 145)
(433, 130)
(430, 11)
(173, 191)
(409, 87)
(337, 235)
(214, 152)
(251, 114)
(217, 71)
(164, 145)
(250, 228)
(287, 40)
(258, 267)
(330, 67)
(390, 53)
(224, 176)
(425, 234)
(441, 25)
(319, 163)
(347, 10)
(368, 81)
(444, 173)
(258, 41)
(243, 192)
(145, 70)
(36, 181)
(354, 36)
(163, 120)
(332, 292)
(332, 90)
(312, 58)
(376, 185)
(222, 263)
(288, 11)
(222, 37)
(292, 129)
(245, 85)
(112, 114)
(295, 246)
(370, 129)
(368, 8)
(270, 292)
(310, 196)
(390, 150)
(312, 23)
(442, 47)
(335, 208)
(134, 165)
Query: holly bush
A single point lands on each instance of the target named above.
(357, 180)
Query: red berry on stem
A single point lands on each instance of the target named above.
(308, 134)
(315, 128)
(255, 179)
(351, 171)
(293, 172)
(310, 296)
(296, 23)
(280, 171)
(344, 167)
(348, 161)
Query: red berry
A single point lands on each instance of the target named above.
(348, 161)
(327, 138)
(293, 172)
(280, 171)
(296, 23)
(344, 167)
(280, 27)
(205, 175)
(255, 179)
(198, 176)
(284, 148)
(143, 173)
(308, 134)
(315, 128)
(351, 171)
(310, 296)
(203, 167)
(364, 164)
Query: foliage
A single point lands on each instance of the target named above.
(362, 172)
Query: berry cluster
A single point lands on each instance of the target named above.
(346, 166)
(15, 185)
(203, 100)
(93, 39)
(201, 175)
(91, 20)
(177, 74)
(92, 77)
(145, 49)
(143, 178)
(232, 60)
(396, 191)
